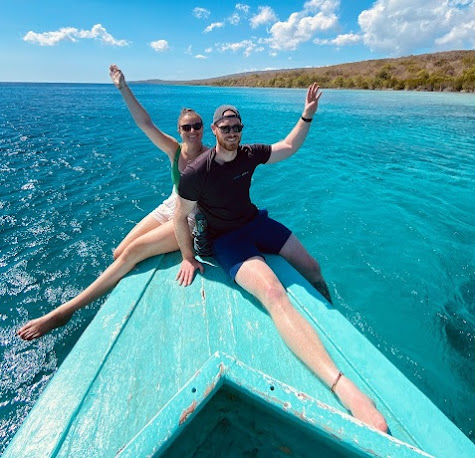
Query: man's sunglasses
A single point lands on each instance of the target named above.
(227, 129)
(195, 126)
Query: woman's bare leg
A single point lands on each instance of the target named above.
(157, 241)
(147, 224)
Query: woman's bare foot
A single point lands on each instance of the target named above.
(360, 405)
(40, 326)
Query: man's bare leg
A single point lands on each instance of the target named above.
(298, 257)
(157, 241)
(256, 277)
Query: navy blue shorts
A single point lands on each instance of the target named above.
(260, 235)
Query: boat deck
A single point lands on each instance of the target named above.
(202, 371)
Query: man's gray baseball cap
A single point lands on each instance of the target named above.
(219, 113)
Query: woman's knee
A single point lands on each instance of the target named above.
(132, 253)
(117, 252)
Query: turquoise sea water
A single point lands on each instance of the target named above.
(382, 194)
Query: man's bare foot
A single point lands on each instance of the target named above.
(40, 326)
(360, 405)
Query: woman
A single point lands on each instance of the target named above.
(155, 233)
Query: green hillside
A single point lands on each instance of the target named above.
(444, 71)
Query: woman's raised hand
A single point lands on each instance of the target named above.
(117, 76)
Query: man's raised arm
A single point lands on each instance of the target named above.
(294, 140)
(185, 241)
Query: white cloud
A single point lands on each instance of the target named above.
(264, 16)
(208, 50)
(214, 25)
(340, 40)
(402, 26)
(51, 38)
(72, 34)
(235, 46)
(189, 50)
(160, 45)
(242, 7)
(325, 6)
(101, 33)
(234, 19)
(247, 46)
(201, 13)
(460, 2)
(458, 37)
(240, 11)
(317, 15)
(255, 69)
(200, 56)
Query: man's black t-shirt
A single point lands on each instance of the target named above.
(222, 190)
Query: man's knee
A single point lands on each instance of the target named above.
(274, 297)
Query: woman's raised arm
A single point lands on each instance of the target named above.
(163, 141)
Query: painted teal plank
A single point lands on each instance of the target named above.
(221, 299)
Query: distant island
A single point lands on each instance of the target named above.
(444, 71)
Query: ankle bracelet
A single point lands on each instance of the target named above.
(338, 377)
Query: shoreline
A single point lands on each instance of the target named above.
(143, 83)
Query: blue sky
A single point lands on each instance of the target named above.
(75, 41)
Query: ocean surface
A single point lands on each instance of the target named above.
(382, 194)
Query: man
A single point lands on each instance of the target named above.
(219, 181)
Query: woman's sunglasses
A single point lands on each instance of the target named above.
(195, 126)
(227, 129)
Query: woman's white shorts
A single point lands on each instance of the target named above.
(164, 212)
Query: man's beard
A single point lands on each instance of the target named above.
(226, 145)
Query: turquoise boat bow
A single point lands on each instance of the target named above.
(201, 371)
